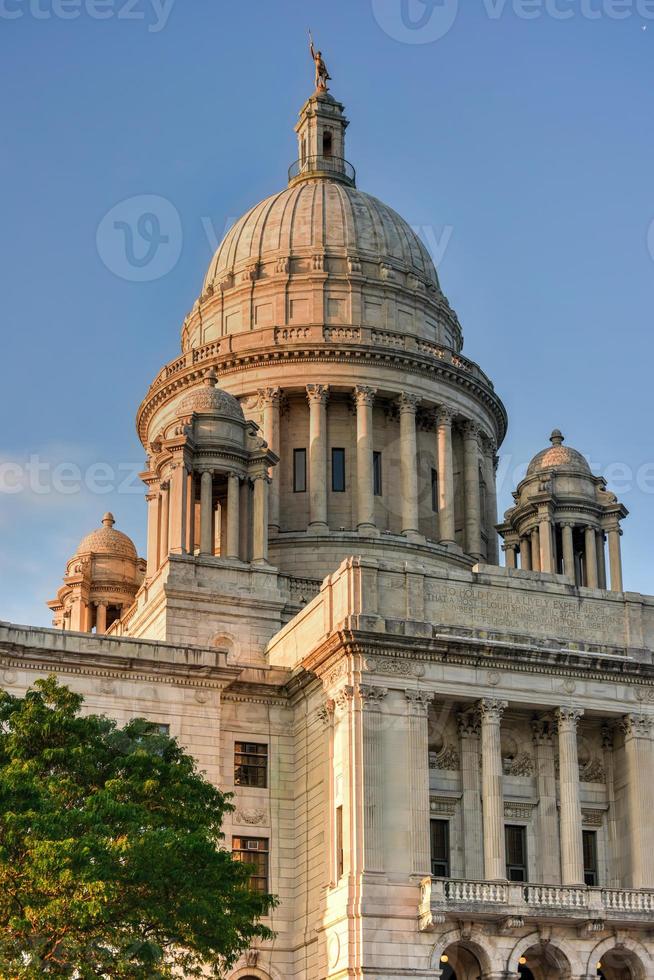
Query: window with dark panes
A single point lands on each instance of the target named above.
(340, 862)
(516, 852)
(440, 848)
(254, 851)
(251, 764)
(434, 490)
(377, 474)
(338, 470)
(299, 470)
(590, 857)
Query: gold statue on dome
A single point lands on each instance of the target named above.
(322, 75)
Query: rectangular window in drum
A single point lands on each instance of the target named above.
(299, 471)
(338, 470)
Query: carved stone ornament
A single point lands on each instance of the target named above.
(637, 726)
(419, 701)
(592, 772)
(492, 709)
(325, 712)
(468, 724)
(447, 759)
(396, 668)
(252, 957)
(343, 697)
(251, 817)
(592, 817)
(518, 811)
(442, 805)
(372, 697)
(520, 765)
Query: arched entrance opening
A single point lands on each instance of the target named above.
(543, 962)
(459, 963)
(620, 964)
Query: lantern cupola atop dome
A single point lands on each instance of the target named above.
(321, 141)
(562, 517)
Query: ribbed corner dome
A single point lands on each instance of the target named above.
(558, 456)
(106, 540)
(322, 214)
(210, 400)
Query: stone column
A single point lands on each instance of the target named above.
(164, 527)
(639, 764)
(271, 398)
(189, 545)
(373, 775)
(572, 857)
(548, 816)
(245, 520)
(153, 534)
(615, 559)
(535, 551)
(545, 542)
(491, 711)
(101, 618)
(233, 515)
(445, 475)
(590, 554)
(509, 550)
(418, 771)
(468, 723)
(568, 551)
(409, 464)
(206, 514)
(178, 487)
(525, 554)
(472, 489)
(365, 496)
(317, 396)
(489, 449)
(260, 531)
(601, 560)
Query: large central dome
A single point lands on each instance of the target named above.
(321, 253)
(323, 213)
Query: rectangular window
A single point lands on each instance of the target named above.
(255, 852)
(338, 470)
(250, 764)
(340, 865)
(590, 857)
(516, 853)
(440, 848)
(299, 471)
(434, 490)
(161, 727)
(377, 474)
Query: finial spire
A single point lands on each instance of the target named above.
(108, 520)
(557, 438)
(322, 75)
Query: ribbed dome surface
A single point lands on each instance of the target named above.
(107, 541)
(323, 213)
(209, 399)
(558, 456)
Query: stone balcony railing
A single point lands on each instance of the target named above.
(517, 902)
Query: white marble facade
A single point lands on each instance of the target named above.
(444, 766)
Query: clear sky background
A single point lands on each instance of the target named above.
(523, 144)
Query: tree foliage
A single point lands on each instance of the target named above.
(110, 857)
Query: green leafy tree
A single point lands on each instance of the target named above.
(110, 856)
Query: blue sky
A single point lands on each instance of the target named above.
(517, 134)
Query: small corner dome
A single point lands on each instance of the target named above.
(208, 399)
(106, 540)
(558, 457)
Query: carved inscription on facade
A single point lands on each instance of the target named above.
(499, 608)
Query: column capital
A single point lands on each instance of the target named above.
(317, 394)
(445, 415)
(364, 395)
(255, 477)
(325, 713)
(471, 430)
(418, 701)
(568, 717)
(468, 723)
(488, 445)
(234, 476)
(543, 730)
(408, 404)
(491, 709)
(372, 697)
(269, 396)
(637, 725)
(101, 602)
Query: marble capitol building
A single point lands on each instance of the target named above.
(443, 766)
